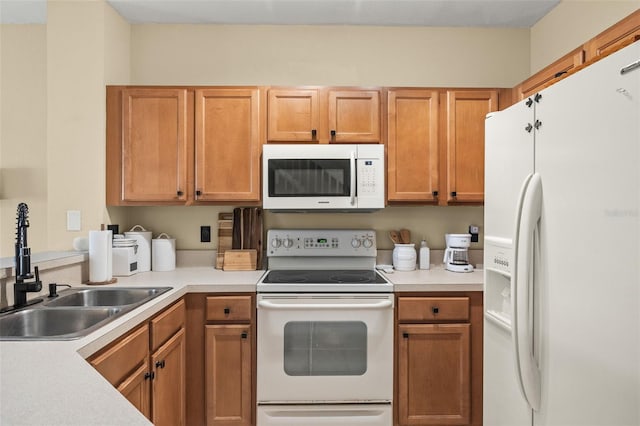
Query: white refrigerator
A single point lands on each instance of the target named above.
(562, 252)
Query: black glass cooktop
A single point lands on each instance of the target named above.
(364, 276)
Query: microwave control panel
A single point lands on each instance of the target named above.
(323, 242)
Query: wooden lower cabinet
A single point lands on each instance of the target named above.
(438, 359)
(221, 355)
(228, 374)
(148, 366)
(137, 390)
(168, 384)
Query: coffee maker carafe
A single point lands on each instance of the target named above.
(456, 255)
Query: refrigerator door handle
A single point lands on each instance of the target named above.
(529, 214)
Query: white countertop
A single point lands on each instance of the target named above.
(49, 382)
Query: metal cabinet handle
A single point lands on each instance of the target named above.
(313, 133)
(244, 335)
(227, 311)
(180, 193)
(160, 364)
(435, 310)
(434, 193)
(529, 128)
(405, 335)
(454, 194)
(150, 375)
(198, 193)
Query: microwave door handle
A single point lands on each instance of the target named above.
(352, 162)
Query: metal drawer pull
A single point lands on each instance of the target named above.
(435, 310)
(227, 311)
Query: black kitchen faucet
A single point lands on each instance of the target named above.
(23, 262)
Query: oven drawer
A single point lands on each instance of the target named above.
(325, 415)
(433, 309)
(229, 308)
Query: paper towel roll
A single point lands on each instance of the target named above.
(143, 237)
(100, 256)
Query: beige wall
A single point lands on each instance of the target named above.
(340, 55)
(570, 24)
(23, 133)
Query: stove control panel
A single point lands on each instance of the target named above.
(321, 242)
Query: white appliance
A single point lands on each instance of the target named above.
(456, 255)
(323, 177)
(124, 257)
(562, 274)
(325, 331)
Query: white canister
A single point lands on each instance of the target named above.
(163, 253)
(143, 238)
(404, 257)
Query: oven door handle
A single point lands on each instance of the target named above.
(266, 304)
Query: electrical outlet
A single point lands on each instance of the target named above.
(474, 230)
(205, 234)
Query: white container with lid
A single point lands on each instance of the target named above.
(404, 257)
(163, 253)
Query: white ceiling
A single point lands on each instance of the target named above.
(447, 13)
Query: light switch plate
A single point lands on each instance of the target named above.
(73, 220)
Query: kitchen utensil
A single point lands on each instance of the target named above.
(395, 237)
(405, 236)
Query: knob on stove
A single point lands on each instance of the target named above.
(368, 243)
(275, 243)
(355, 243)
(287, 243)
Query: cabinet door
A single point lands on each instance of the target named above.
(154, 145)
(624, 32)
(466, 111)
(293, 115)
(169, 391)
(137, 389)
(228, 375)
(434, 382)
(354, 116)
(412, 145)
(549, 74)
(227, 145)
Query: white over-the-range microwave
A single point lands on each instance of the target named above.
(323, 177)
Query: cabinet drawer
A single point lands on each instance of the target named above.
(167, 324)
(433, 308)
(229, 308)
(119, 360)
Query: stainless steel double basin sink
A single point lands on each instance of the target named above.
(74, 313)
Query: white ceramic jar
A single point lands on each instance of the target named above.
(404, 257)
(163, 253)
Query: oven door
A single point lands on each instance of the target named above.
(323, 348)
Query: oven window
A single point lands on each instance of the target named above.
(309, 178)
(325, 348)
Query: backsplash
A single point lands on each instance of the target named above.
(429, 222)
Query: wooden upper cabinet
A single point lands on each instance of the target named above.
(154, 145)
(294, 115)
(354, 116)
(323, 115)
(549, 74)
(625, 31)
(412, 145)
(227, 144)
(464, 143)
